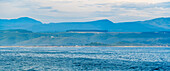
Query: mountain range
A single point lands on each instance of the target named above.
(26, 23)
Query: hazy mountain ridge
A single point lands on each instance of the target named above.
(21, 20)
(20, 23)
(158, 24)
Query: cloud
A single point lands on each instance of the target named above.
(164, 5)
(54, 11)
(84, 10)
(45, 8)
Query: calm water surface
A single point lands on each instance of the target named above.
(85, 58)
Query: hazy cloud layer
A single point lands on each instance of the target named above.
(85, 10)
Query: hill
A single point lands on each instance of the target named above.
(25, 38)
(158, 24)
(20, 23)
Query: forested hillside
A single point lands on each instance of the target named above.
(25, 38)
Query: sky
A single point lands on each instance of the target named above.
(85, 10)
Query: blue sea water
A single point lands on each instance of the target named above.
(85, 58)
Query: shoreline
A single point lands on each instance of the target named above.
(84, 46)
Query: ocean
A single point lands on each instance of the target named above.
(85, 59)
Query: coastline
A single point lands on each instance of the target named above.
(84, 46)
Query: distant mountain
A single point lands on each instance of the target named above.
(22, 20)
(92, 25)
(158, 24)
(20, 23)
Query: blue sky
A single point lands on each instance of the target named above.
(85, 10)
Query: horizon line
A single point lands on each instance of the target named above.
(75, 21)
